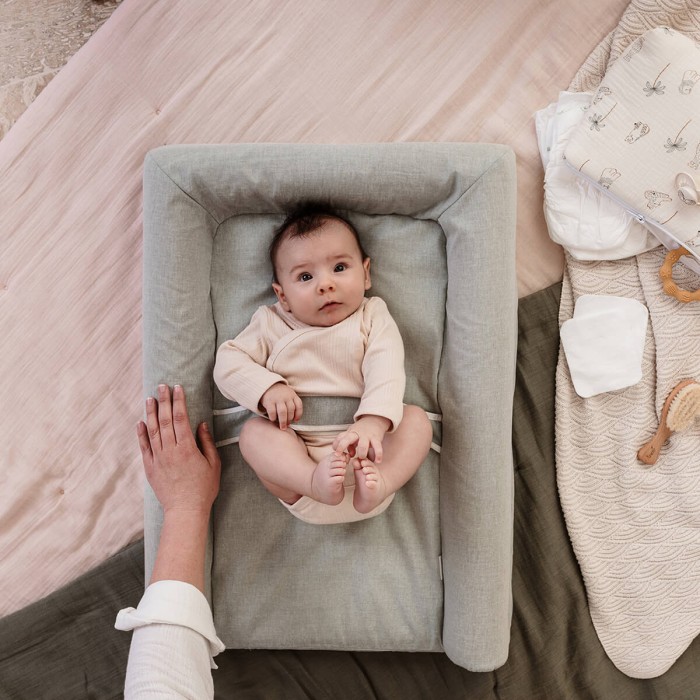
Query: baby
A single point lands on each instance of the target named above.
(324, 337)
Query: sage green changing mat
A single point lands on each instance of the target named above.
(433, 572)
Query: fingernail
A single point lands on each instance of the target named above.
(161, 388)
(205, 427)
(150, 400)
(177, 388)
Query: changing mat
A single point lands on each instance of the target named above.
(433, 572)
(635, 530)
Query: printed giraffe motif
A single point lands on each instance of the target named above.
(638, 130)
(608, 177)
(690, 77)
(656, 199)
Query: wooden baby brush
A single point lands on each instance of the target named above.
(680, 409)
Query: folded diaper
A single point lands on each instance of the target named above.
(580, 217)
(604, 343)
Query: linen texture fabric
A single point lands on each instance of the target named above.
(642, 131)
(433, 572)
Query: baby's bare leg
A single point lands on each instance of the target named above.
(404, 452)
(282, 463)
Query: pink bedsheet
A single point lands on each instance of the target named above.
(188, 71)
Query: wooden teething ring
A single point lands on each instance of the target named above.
(666, 274)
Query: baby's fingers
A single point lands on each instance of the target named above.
(282, 415)
(271, 410)
(344, 440)
(362, 447)
(298, 409)
(376, 445)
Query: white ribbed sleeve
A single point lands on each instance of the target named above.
(173, 644)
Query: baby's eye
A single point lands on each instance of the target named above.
(340, 267)
(304, 277)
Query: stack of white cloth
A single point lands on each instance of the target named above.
(604, 343)
(586, 221)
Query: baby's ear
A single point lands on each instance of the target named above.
(368, 280)
(280, 295)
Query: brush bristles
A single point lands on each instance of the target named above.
(684, 408)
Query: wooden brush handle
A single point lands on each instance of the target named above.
(666, 274)
(649, 452)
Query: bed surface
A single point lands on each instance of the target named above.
(187, 72)
(554, 650)
(175, 72)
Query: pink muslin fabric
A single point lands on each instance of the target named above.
(186, 71)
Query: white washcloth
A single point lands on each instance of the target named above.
(604, 343)
(588, 223)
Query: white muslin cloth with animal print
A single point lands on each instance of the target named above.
(642, 131)
(581, 217)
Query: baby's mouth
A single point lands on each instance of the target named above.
(329, 304)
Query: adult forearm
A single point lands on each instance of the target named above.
(182, 548)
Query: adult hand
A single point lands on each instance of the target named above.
(282, 404)
(183, 478)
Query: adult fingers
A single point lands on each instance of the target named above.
(145, 445)
(181, 421)
(153, 425)
(165, 416)
(206, 441)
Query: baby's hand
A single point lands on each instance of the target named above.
(282, 404)
(363, 440)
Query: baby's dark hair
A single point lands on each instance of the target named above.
(305, 218)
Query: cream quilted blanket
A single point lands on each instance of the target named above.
(635, 529)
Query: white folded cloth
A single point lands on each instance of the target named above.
(604, 343)
(586, 221)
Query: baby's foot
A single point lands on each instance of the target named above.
(370, 488)
(328, 478)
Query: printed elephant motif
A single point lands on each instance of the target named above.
(608, 176)
(640, 129)
(656, 199)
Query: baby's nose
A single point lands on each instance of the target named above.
(325, 284)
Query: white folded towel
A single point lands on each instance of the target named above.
(580, 217)
(604, 343)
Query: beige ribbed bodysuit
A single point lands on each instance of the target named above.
(361, 357)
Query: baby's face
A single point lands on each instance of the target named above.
(322, 277)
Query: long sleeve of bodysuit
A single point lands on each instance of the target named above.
(240, 371)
